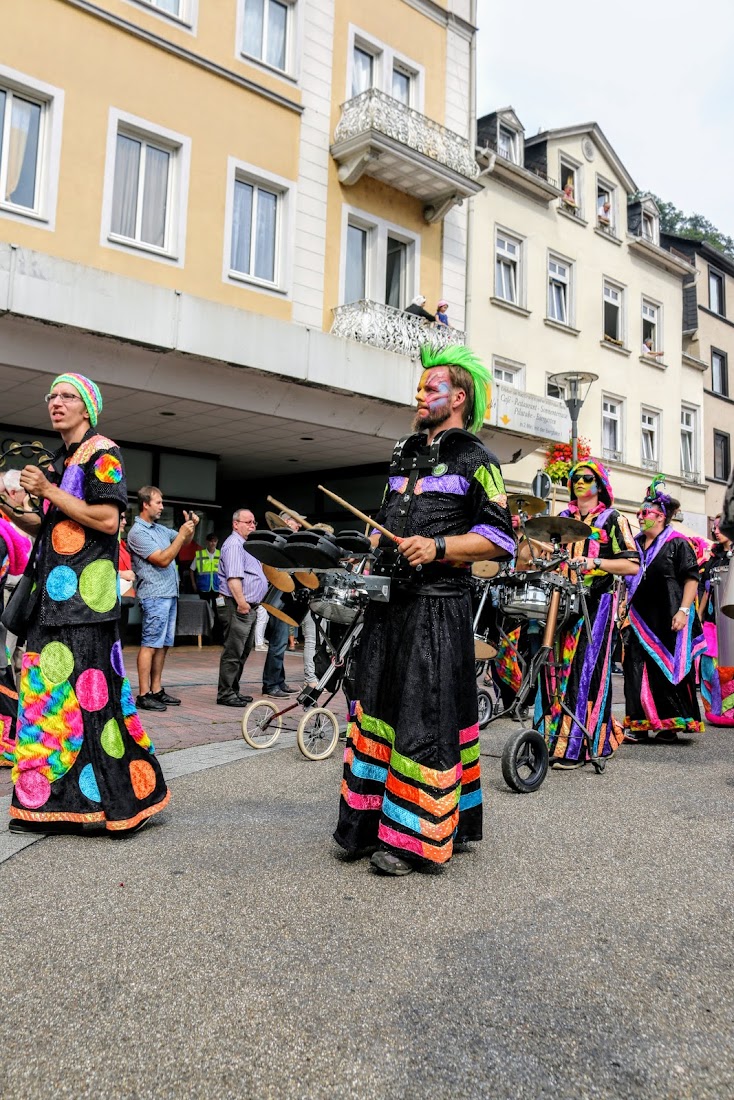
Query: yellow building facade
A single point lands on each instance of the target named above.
(191, 192)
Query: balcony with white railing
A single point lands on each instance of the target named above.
(381, 137)
(390, 329)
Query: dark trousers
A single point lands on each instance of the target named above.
(276, 634)
(239, 641)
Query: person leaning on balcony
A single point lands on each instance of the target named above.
(416, 309)
(442, 317)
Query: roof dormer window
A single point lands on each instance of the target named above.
(649, 226)
(507, 144)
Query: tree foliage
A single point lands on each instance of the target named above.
(693, 226)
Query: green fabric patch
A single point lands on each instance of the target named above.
(491, 481)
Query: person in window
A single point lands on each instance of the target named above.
(417, 309)
(442, 317)
(717, 664)
(83, 761)
(604, 210)
(665, 634)
(648, 349)
(568, 194)
(585, 680)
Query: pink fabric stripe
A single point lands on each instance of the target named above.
(363, 801)
(648, 703)
(469, 734)
(400, 840)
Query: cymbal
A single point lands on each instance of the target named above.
(308, 580)
(561, 528)
(274, 521)
(522, 502)
(283, 581)
(485, 569)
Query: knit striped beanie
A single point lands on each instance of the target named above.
(88, 391)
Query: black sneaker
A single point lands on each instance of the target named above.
(149, 702)
(289, 690)
(233, 701)
(168, 700)
(277, 693)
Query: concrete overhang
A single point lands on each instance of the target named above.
(661, 257)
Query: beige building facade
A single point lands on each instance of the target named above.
(708, 339)
(220, 212)
(567, 273)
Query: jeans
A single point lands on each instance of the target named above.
(159, 621)
(239, 640)
(308, 626)
(276, 634)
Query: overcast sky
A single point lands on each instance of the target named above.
(657, 75)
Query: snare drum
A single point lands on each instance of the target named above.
(340, 600)
(527, 599)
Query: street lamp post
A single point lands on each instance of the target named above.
(576, 384)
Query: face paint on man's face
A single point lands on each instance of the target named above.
(433, 398)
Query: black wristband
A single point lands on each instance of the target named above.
(440, 542)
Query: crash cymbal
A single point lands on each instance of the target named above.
(485, 569)
(283, 581)
(559, 528)
(274, 521)
(524, 502)
(308, 580)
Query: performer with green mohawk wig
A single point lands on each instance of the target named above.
(411, 785)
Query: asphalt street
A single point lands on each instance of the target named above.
(584, 949)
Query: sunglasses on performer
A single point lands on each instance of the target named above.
(649, 512)
(586, 478)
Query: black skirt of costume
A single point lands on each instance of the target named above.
(81, 753)
(411, 768)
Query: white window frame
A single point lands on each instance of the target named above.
(714, 274)
(717, 353)
(241, 171)
(604, 185)
(511, 238)
(509, 367)
(293, 39)
(386, 58)
(619, 419)
(568, 164)
(178, 187)
(513, 136)
(378, 230)
(726, 435)
(51, 101)
(651, 304)
(186, 19)
(610, 284)
(694, 430)
(558, 261)
(653, 428)
(654, 236)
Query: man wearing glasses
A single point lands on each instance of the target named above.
(241, 585)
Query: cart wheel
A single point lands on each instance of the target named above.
(485, 706)
(261, 724)
(599, 766)
(318, 733)
(525, 761)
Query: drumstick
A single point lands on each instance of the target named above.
(360, 515)
(303, 522)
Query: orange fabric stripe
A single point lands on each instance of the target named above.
(470, 774)
(97, 816)
(374, 749)
(436, 806)
(442, 830)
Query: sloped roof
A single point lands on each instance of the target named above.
(595, 132)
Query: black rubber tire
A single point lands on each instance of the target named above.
(485, 705)
(525, 761)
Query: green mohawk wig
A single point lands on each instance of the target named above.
(469, 373)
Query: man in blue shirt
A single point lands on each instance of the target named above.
(153, 549)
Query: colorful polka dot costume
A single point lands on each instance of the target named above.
(81, 755)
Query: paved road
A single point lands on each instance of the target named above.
(583, 950)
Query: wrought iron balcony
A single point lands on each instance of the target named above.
(385, 139)
(390, 329)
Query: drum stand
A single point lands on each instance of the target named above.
(525, 756)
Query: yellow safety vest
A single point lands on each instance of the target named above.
(206, 570)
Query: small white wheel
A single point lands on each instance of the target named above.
(318, 733)
(261, 724)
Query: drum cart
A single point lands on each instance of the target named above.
(553, 598)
